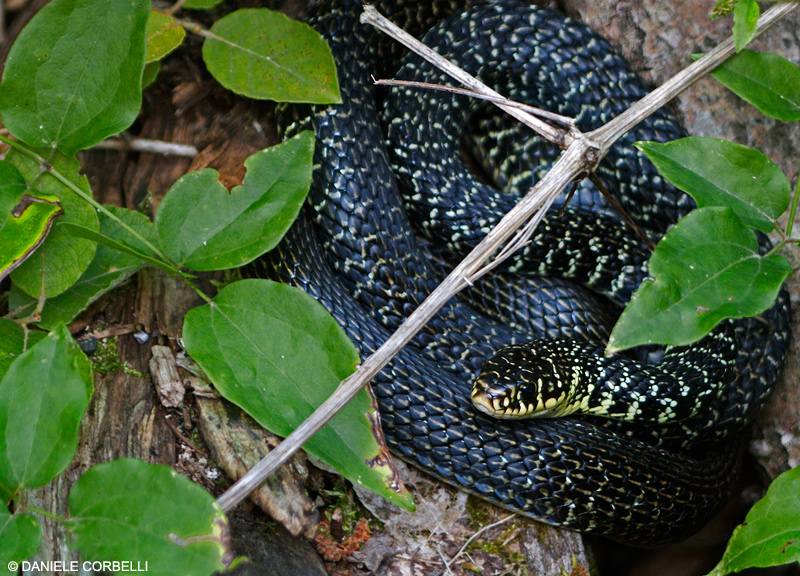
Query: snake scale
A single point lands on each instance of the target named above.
(354, 250)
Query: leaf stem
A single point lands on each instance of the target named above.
(777, 247)
(196, 28)
(793, 209)
(203, 295)
(87, 197)
(45, 513)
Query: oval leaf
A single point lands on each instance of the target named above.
(74, 75)
(720, 173)
(12, 187)
(62, 258)
(767, 81)
(14, 340)
(128, 510)
(707, 268)
(745, 23)
(24, 220)
(164, 34)
(276, 353)
(770, 535)
(20, 537)
(42, 398)
(268, 56)
(203, 227)
(150, 74)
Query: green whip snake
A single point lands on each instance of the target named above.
(354, 250)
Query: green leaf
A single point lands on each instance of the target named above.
(109, 269)
(705, 269)
(42, 398)
(720, 173)
(201, 4)
(767, 81)
(204, 227)
(128, 510)
(164, 34)
(74, 75)
(14, 340)
(62, 258)
(12, 187)
(24, 220)
(275, 352)
(266, 55)
(770, 535)
(20, 537)
(150, 74)
(745, 23)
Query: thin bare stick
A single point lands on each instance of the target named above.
(375, 18)
(444, 560)
(520, 239)
(570, 196)
(540, 112)
(580, 156)
(620, 210)
(478, 533)
(146, 145)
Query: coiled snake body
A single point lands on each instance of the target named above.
(356, 253)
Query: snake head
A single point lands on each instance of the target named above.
(532, 380)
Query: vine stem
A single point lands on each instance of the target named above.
(47, 167)
(581, 154)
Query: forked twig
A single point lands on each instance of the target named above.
(373, 17)
(581, 155)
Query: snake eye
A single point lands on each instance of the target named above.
(495, 394)
(502, 390)
(498, 400)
